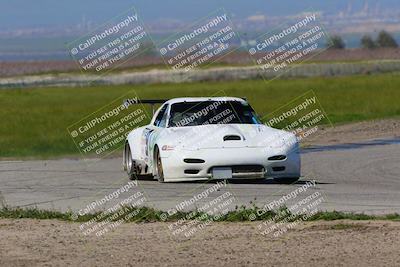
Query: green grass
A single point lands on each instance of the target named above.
(34, 121)
(145, 214)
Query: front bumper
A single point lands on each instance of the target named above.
(242, 160)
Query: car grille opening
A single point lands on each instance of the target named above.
(194, 160)
(243, 168)
(232, 138)
(277, 157)
(278, 168)
(191, 171)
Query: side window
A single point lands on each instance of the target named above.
(161, 116)
(163, 121)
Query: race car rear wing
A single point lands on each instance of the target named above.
(152, 102)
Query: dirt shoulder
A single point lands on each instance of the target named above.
(339, 243)
(356, 132)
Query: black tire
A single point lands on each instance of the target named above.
(130, 164)
(158, 164)
(289, 180)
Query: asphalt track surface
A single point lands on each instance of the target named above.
(358, 178)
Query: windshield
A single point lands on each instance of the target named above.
(211, 112)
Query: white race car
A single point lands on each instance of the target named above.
(197, 138)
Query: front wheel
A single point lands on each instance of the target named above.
(290, 180)
(159, 169)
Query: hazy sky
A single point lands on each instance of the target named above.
(32, 13)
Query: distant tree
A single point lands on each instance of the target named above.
(337, 42)
(386, 40)
(368, 42)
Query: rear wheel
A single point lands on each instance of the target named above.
(158, 164)
(289, 180)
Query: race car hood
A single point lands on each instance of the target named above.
(226, 135)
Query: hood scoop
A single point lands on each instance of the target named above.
(232, 137)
